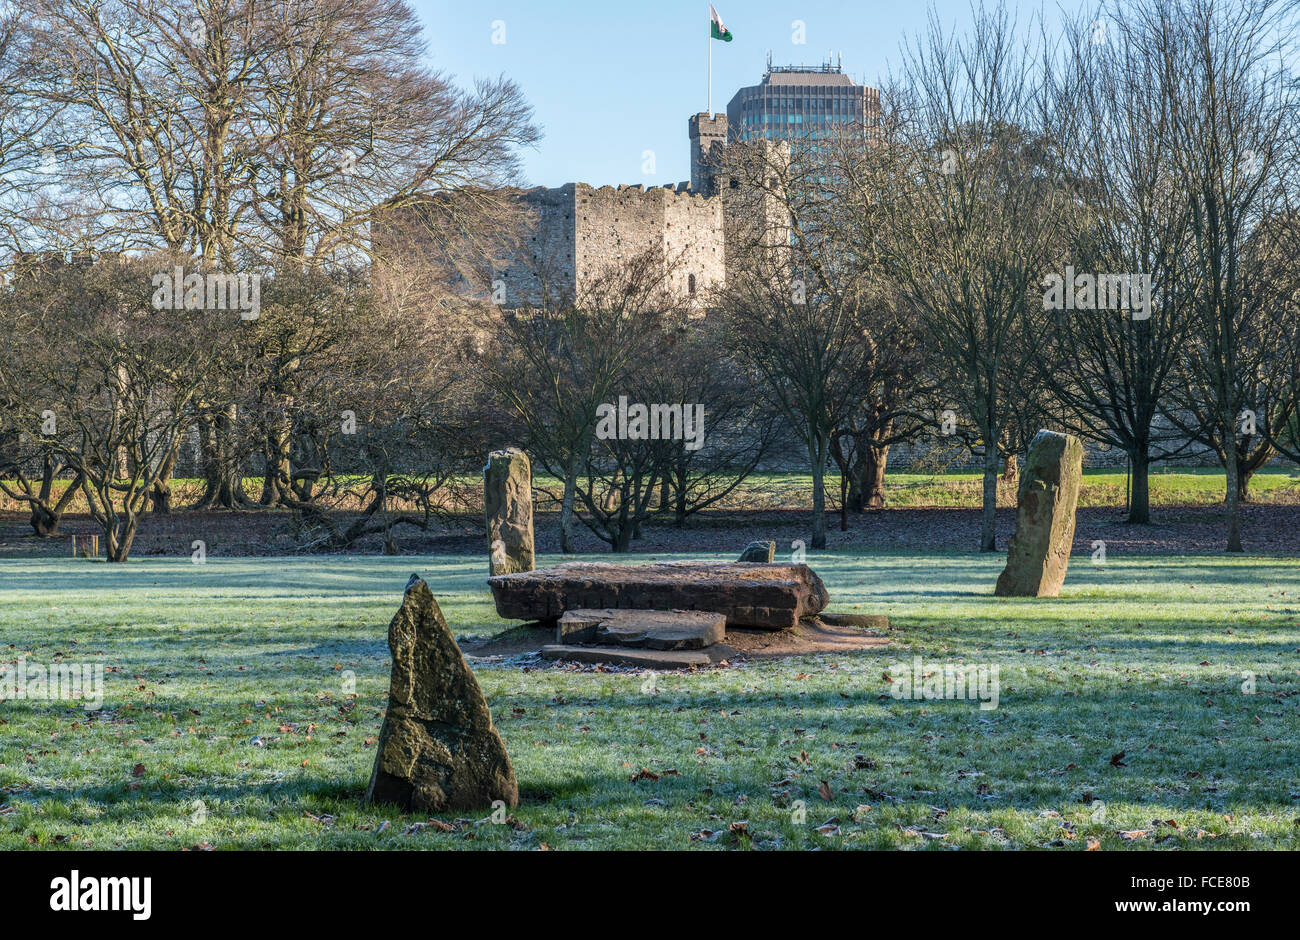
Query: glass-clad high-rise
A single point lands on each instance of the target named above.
(801, 102)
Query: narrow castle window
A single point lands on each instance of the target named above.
(690, 283)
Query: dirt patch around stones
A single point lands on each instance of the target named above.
(810, 637)
(526, 638)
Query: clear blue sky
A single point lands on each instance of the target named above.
(611, 80)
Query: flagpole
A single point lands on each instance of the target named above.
(710, 42)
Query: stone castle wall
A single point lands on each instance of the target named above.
(694, 244)
(579, 232)
(545, 265)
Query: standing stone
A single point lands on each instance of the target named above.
(438, 749)
(763, 553)
(1049, 492)
(508, 500)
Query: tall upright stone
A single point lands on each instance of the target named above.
(1039, 553)
(438, 748)
(508, 502)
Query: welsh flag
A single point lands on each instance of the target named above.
(716, 29)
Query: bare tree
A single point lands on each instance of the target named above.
(1231, 139)
(973, 225)
(694, 365)
(898, 387)
(354, 124)
(1276, 248)
(120, 393)
(250, 134)
(1114, 369)
(383, 424)
(24, 157)
(800, 332)
(553, 365)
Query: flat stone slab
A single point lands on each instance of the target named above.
(765, 597)
(639, 658)
(646, 629)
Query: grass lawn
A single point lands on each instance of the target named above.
(964, 489)
(229, 687)
(956, 489)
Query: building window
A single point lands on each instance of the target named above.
(690, 283)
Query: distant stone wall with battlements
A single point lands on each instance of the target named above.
(578, 232)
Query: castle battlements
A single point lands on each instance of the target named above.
(576, 234)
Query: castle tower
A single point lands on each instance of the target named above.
(708, 138)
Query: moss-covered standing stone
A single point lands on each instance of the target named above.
(438, 748)
(508, 503)
(763, 553)
(1039, 553)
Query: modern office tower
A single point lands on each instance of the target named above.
(795, 102)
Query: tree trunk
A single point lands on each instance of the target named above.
(118, 537)
(623, 528)
(222, 486)
(1139, 503)
(566, 508)
(867, 477)
(873, 476)
(988, 525)
(47, 512)
(1244, 475)
(844, 501)
(679, 500)
(817, 454)
(277, 463)
(1010, 469)
(160, 499)
(44, 523)
(1234, 499)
